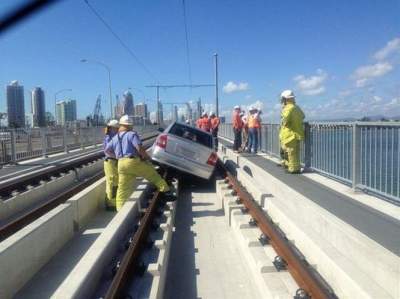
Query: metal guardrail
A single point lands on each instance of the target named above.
(21, 144)
(365, 155)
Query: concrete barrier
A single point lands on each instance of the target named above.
(353, 264)
(26, 251)
(87, 273)
(86, 203)
(33, 196)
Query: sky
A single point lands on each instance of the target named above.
(341, 58)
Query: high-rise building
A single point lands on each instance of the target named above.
(160, 114)
(15, 105)
(175, 113)
(128, 103)
(141, 110)
(38, 107)
(66, 112)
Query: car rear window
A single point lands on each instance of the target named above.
(191, 134)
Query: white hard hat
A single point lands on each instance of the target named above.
(212, 113)
(287, 94)
(188, 121)
(125, 120)
(113, 123)
(236, 107)
(204, 113)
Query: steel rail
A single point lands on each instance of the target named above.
(27, 217)
(131, 258)
(24, 180)
(305, 276)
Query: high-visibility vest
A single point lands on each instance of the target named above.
(237, 121)
(198, 123)
(291, 124)
(205, 124)
(254, 122)
(214, 123)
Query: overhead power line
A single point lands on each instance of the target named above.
(187, 41)
(123, 44)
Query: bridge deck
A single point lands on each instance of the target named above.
(380, 227)
(205, 260)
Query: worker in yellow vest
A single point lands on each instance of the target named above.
(110, 165)
(254, 124)
(292, 131)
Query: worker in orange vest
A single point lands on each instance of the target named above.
(237, 129)
(214, 128)
(254, 124)
(205, 122)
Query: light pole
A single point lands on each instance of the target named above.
(109, 81)
(55, 102)
(216, 84)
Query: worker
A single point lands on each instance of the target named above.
(133, 161)
(245, 131)
(292, 131)
(214, 128)
(282, 153)
(110, 165)
(254, 124)
(205, 123)
(237, 129)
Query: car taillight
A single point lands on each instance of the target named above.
(212, 160)
(162, 141)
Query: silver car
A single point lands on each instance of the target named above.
(186, 149)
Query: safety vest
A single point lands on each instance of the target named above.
(205, 124)
(254, 122)
(291, 124)
(214, 123)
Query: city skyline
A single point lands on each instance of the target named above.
(341, 60)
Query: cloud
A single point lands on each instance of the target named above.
(312, 85)
(391, 47)
(231, 87)
(364, 74)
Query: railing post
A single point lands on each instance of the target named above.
(65, 140)
(44, 142)
(356, 155)
(13, 146)
(307, 145)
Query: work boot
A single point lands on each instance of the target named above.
(171, 194)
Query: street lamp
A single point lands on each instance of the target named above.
(55, 102)
(109, 80)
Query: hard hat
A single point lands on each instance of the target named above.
(204, 114)
(125, 120)
(287, 94)
(188, 121)
(113, 123)
(212, 113)
(236, 107)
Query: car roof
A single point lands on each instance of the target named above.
(190, 127)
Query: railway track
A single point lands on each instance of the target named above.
(23, 183)
(311, 284)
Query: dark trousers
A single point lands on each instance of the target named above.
(253, 140)
(237, 142)
(214, 133)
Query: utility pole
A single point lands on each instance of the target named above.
(216, 84)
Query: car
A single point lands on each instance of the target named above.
(186, 149)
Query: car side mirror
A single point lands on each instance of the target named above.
(160, 130)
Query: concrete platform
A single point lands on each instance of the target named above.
(205, 259)
(354, 247)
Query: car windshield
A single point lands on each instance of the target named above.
(191, 134)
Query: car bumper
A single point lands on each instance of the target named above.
(182, 164)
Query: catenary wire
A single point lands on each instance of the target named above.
(123, 44)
